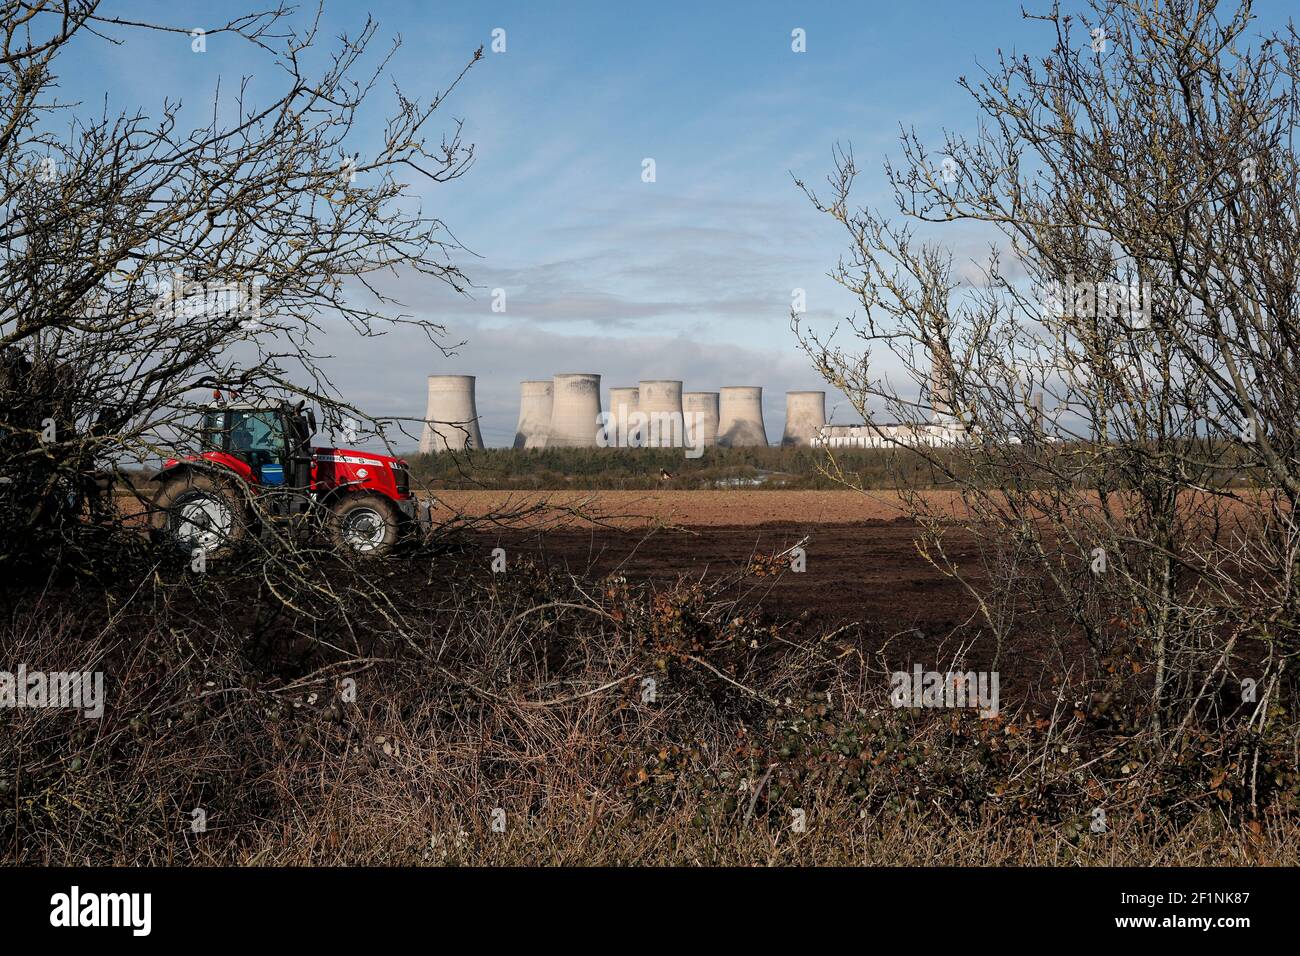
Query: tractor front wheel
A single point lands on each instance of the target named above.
(200, 512)
(366, 525)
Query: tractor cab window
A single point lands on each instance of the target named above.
(256, 437)
(214, 431)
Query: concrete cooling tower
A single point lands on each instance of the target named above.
(805, 414)
(740, 417)
(534, 414)
(623, 406)
(701, 410)
(450, 418)
(661, 413)
(575, 411)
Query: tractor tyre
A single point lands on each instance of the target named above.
(364, 525)
(198, 511)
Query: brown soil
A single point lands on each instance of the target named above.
(869, 571)
(700, 508)
(864, 575)
(862, 562)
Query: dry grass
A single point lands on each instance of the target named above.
(526, 695)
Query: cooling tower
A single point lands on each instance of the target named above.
(534, 414)
(623, 405)
(661, 414)
(575, 411)
(805, 414)
(701, 409)
(740, 417)
(450, 418)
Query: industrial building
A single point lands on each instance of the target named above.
(888, 435)
(943, 428)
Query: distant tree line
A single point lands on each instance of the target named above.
(765, 468)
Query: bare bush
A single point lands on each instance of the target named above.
(1141, 180)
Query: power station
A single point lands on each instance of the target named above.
(565, 412)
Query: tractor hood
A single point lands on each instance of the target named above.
(354, 469)
(353, 456)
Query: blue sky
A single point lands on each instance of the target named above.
(688, 277)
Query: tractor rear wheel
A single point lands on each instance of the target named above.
(367, 525)
(197, 511)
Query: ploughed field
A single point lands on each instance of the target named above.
(862, 571)
(693, 509)
(861, 561)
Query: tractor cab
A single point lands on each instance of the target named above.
(272, 441)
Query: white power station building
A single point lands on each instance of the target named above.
(889, 435)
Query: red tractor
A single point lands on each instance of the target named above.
(258, 471)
